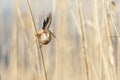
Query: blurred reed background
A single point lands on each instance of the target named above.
(86, 46)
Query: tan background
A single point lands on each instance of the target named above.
(86, 46)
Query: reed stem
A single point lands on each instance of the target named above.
(40, 47)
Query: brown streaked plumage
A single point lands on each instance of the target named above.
(47, 21)
(44, 35)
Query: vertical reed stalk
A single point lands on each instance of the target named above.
(81, 19)
(40, 47)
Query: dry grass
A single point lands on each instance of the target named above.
(86, 46)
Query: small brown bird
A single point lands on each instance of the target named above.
(44, 35)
